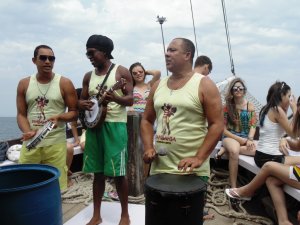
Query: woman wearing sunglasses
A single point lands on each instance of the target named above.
(141, 89)
(240, 126)
(277, 174)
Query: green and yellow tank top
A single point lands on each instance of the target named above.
(181, 126)
(115, 112)
(44, 101)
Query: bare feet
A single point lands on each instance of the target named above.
(95, 221)
(124, 220)
(208, 216)
(70, 182)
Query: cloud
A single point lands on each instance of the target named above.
(264, 37)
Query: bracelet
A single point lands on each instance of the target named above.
(250, 138)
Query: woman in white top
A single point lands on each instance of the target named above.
(276, 174)
(140, 88)
(274, 124)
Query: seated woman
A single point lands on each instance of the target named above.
(274, 124)
(276, 174)
(140, 88)
(240, 126)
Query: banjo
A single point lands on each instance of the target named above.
(96, 115)
(40, 135)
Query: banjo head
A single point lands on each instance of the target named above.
(93, 116)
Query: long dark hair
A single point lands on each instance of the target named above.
(296, 121)
(274, 98)
(132, 67)
(230, 103)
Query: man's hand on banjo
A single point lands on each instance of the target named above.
(85, 104)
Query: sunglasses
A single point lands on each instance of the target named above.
(43, 58)
(235, 89)
(90, 53)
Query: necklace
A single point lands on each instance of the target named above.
(48, 87)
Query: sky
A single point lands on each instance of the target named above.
(265, 38)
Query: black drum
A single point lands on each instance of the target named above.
(174, 199)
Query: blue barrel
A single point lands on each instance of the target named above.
(30, 194)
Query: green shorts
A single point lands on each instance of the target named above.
(53, 155)
(106, 149)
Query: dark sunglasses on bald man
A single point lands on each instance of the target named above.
(235, 89)
(43, 58)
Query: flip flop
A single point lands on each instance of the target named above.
(230, 192)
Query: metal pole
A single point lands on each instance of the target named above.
(161, 20)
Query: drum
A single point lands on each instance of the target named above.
(174, 199)
(40, 135)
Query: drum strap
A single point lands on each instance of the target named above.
(107, 74)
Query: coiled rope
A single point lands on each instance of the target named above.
(81, 192)
(216, 197)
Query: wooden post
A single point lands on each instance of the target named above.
(135, 167)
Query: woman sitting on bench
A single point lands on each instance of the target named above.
(276, 174)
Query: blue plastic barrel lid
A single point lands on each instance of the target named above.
(3, 149)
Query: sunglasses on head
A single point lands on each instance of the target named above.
(43, 58)
(235, 89)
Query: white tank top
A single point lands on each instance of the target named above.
(269, 137)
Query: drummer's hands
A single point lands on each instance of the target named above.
(85, 104)
(188, 164)
(28, 135)
(149, 155)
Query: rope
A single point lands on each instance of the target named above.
(216, 197)
(228, 37)
(194, 27)
(81, 192)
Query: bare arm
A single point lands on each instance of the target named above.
(283, 121)
(70, 97)
(22, 120)
(156, 76)
(211, 101)
(83, 102)
(127, 99)
(147, 123)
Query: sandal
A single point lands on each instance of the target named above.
(231, 192)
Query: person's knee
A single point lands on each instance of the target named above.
(233, 152)
(273, 181)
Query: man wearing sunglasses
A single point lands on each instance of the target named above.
(41, 97)
(105, 152)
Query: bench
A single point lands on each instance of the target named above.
(248, 163)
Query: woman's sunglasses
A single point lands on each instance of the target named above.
(235, 89)
(43, 58)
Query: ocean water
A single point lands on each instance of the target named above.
(9, 128)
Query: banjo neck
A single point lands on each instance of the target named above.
(118, 85)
